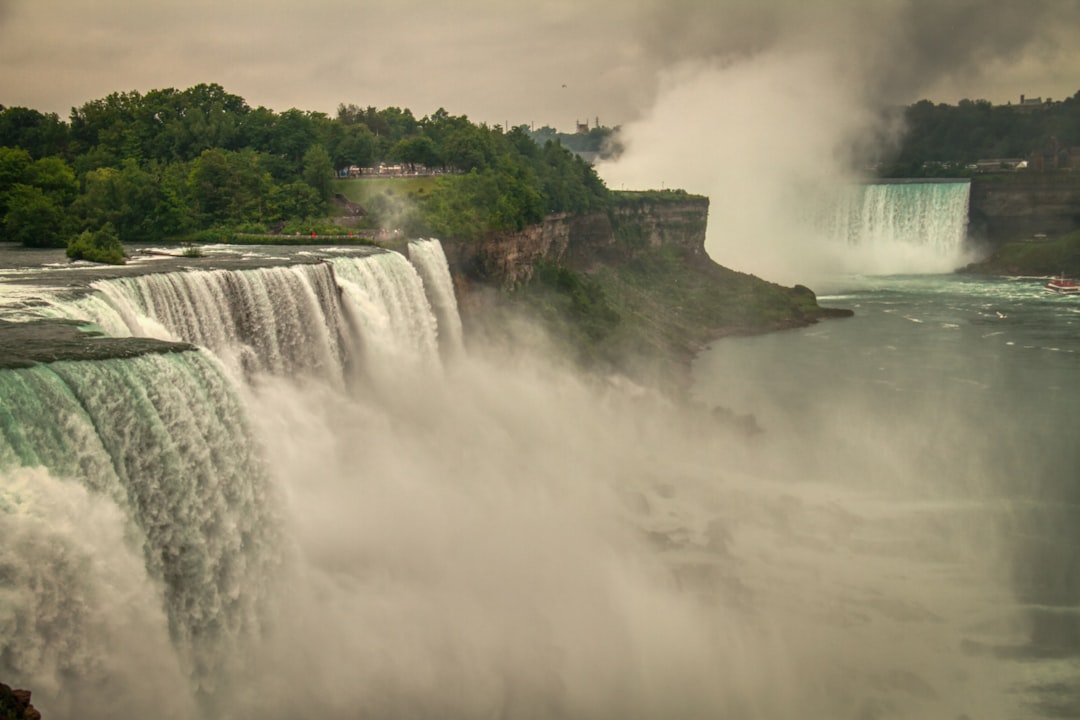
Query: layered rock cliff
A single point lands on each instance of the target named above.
(630, 289)
(1020, 206)
(583, 242)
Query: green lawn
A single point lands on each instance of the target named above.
(362, 190)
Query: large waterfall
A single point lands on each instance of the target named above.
(899, 227)
(330, 508)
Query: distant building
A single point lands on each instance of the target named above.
(1028, 104)
(582, 127)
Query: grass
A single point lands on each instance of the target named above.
(651, 315)
(363, 190)
(1051, 257)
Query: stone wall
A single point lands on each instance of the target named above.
(1020, 206)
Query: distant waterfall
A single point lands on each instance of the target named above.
(900, 227)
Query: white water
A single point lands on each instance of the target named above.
(428, 257)
(894, 228)
(501, 539)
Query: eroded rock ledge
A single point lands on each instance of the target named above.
(25, 344)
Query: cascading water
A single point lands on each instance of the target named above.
(385, 292)
(279, 320)
(899, 227)
(164, 439)
(506, 540)
(428, 257)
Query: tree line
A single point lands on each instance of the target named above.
(186, 164)
(941, 139)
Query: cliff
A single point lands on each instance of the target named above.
(630, 289)
(637, 223)
(1017, 206)
(15, 705)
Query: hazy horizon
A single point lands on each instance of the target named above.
(554, 63)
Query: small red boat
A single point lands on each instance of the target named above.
(1063, 287)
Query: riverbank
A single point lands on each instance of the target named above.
(1037, 257)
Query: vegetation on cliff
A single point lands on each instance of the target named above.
(650, 315)
(201, 164)
(1060, 256)
(943, 140)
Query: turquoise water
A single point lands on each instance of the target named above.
(957, 401)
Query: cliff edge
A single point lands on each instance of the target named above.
(630, 289)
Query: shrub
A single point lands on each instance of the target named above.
(102, 246)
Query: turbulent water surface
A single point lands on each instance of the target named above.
(950, 404)
(334, 509)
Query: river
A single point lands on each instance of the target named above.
(949, 405)
(336, 508)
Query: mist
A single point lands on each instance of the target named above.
(773, 110)
(509, 538)
(497, 533)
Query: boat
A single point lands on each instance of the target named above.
(1062, 286)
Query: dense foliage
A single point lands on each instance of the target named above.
(1060, 256)
(101, 246)
(187, 164)
(950, 140)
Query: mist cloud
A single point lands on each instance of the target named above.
(768, 108)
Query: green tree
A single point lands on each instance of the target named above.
(318, 171)
(126, 199)
(14, 162)
(37, 133)
(54, 177)
(416, 150)
(34, 218)
(228, 187)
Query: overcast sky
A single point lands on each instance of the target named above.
(547, 62)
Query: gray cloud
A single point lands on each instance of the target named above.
(899, 49)
(502, 62)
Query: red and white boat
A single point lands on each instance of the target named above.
(1063, 287)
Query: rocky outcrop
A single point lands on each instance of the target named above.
(581, 242)
(1020, 206)
(25, 344)
(15, 705)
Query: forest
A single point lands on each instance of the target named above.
(951, 140)
(201, 164)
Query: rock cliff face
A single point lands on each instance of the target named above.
(581, 242)
(15, 704)
(1021, 205)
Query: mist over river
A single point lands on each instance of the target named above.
(336, 507)
(949, 404)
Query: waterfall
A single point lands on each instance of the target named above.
(430, 261)
(157, 457)
(899, 227)
(179, 539)
(385, 294)
(165, 439)
(279, 320)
